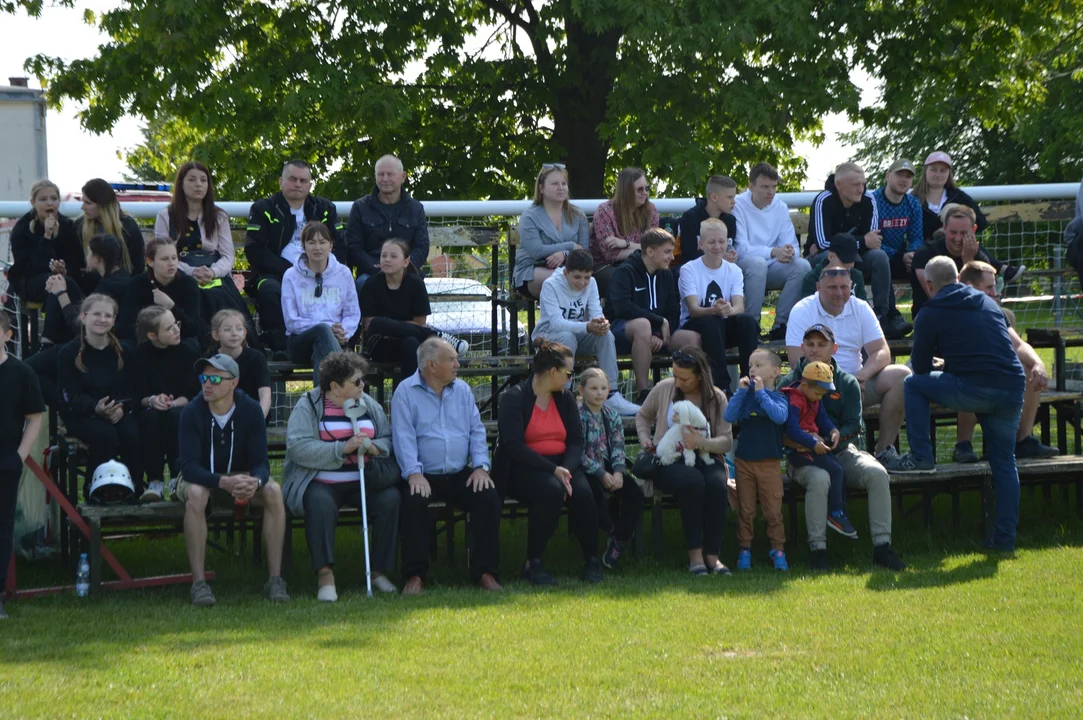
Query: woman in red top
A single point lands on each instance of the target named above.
(538, 458)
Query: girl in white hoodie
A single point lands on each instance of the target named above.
(319, 301)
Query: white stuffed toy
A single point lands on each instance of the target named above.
(685, 415)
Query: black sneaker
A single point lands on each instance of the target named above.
(1011, 273)
(592, 571)
(777, 334)
(535, 574)
(613, 550)
(817, 560)
(909, 465)
(964, 453)
(885, 557)
(895, 326)
(1031, 447)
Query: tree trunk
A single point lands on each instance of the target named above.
(579, 106)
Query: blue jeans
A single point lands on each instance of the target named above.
(313, 345)
(998, 412)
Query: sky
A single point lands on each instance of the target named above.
(76, 155)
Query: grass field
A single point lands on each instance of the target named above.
(959, 634)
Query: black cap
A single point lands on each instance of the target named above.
(822, 329)
(844, 245)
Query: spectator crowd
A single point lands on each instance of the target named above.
(150, 355)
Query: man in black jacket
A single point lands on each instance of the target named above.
(644, 303)
(718, 203)
(273, 242)
(223, 457)
(388, 212)
(845, 206)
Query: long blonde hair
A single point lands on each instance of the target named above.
(570, 211)
(101, 193)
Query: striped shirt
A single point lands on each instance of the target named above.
(335, 426)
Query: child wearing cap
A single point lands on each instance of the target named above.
(761, 412)
(806, 428)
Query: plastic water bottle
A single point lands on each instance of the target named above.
(82, 577)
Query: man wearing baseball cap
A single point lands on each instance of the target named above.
(900, 217)
(223, 458)
(860, 469)
(842, 252)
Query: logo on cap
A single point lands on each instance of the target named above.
(821, 374)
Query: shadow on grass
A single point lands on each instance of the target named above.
(919, 577)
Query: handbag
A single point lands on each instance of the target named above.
(645, 465)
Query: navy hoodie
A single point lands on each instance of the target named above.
(635, 293)
(965, 327)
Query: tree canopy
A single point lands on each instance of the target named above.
(474, 95)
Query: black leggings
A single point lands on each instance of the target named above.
(105, 441)
(395, 341)
(701, 495)
(158, 429)
(719, 333)
(544, 497)
(9, 496)
(629, 501)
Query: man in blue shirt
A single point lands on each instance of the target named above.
(440, 446)
(900, 217)
(982, 374)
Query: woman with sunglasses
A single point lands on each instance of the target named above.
(319, 301)
(321, 475)
(700, 490)
(165, 286)
(164, 384)
(538, 460)
(618, 224)
(550, 229)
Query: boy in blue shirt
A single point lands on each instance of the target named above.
(761, 412)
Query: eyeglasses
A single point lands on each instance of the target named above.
(358, 382)
(176, 326)
(835, 272)
(567, 373)
(319, 284)
(213, 379)
(552, 166)
(683, 359)
(643, 190)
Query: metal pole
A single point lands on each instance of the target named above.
(1058, 285)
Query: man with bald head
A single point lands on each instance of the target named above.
(982, 374)
(443, 455)
(388, 212)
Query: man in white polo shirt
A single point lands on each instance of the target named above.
(856, 328)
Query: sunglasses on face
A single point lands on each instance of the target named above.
(683, 359)
(358, 382)
(213, 379)
(551, 166)
(319, 284)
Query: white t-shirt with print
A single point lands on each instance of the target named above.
(854, 327)
(726, 282)
(293, 249)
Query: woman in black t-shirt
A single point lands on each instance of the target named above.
(396, 306)
(97, 391)
(165, 381)
(163, 285)
(43, 243)
(20, 422)
(229, 332)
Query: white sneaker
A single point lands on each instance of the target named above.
(382, 584)
(622, 406)
(461, 346)
(327, 593)
(154, 492)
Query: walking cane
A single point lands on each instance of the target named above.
(355, 410)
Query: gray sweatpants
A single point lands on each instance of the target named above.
(602, 347)
(860, 470)
(761, 277)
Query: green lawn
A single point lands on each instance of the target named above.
(959, 634)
